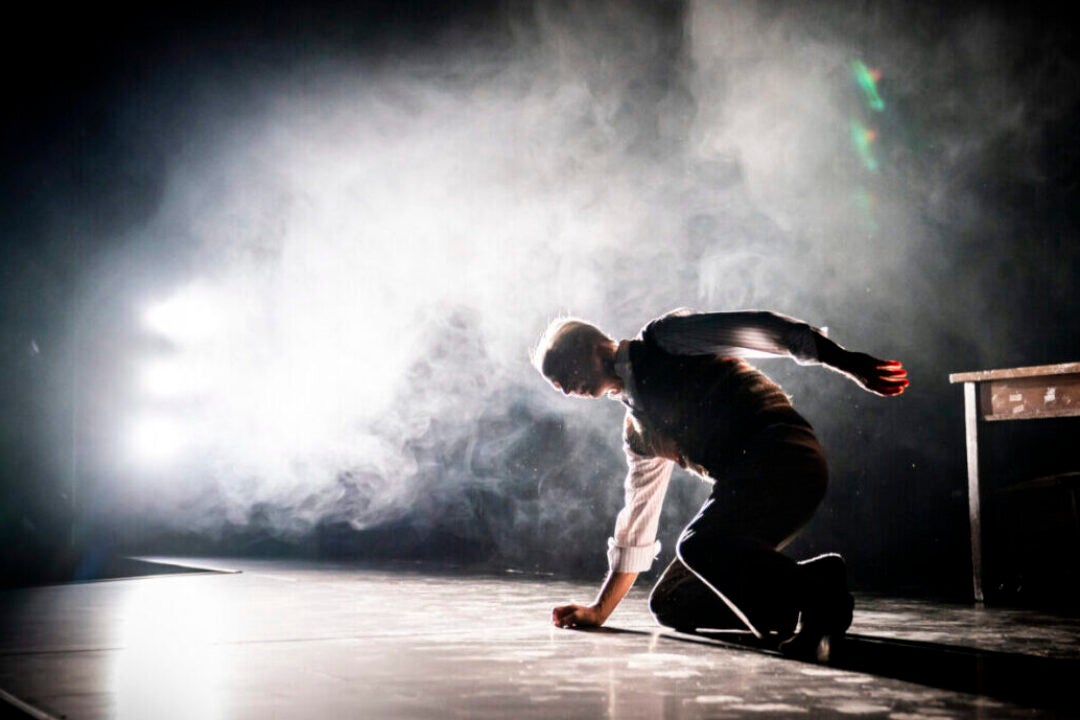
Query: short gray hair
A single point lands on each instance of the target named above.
(564, 337)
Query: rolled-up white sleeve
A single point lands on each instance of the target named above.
(634, 546)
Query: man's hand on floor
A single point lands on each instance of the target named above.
(571, 616)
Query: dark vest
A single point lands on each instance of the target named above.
(699, 410)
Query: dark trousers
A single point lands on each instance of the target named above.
(729, 572)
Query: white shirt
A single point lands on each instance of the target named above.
(634, 546)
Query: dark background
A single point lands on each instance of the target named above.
(100, 102)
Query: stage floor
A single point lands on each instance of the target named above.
(313, 640)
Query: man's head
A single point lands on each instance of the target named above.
(577, 358)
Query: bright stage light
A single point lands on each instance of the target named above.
(154, 439)
(168, 379)
(188, 316)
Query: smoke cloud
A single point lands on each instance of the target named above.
(347, 267)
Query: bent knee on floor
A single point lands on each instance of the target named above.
(663, 610)
(672, 606)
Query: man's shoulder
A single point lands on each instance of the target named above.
(659, 323)
(679, 312)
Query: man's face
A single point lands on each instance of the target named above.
(581, 375)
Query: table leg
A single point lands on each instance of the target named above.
(971, 430)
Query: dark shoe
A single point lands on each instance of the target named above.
(810, 645)
(826, 611)
(827, 604)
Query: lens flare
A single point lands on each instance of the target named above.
(867, 80)
(863, 139)
(865, 201)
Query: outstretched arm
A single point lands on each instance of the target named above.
(745, 333)
(755, 333)
(611, 593)
(881, 377)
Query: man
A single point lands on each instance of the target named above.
(692, 399)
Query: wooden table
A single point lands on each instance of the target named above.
(1026, 393)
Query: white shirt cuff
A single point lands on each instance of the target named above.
(638, 558)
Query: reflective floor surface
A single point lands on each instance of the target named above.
(304, 640)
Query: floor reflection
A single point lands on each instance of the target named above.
(298, 640)
(170, 663)
(1015, 677)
